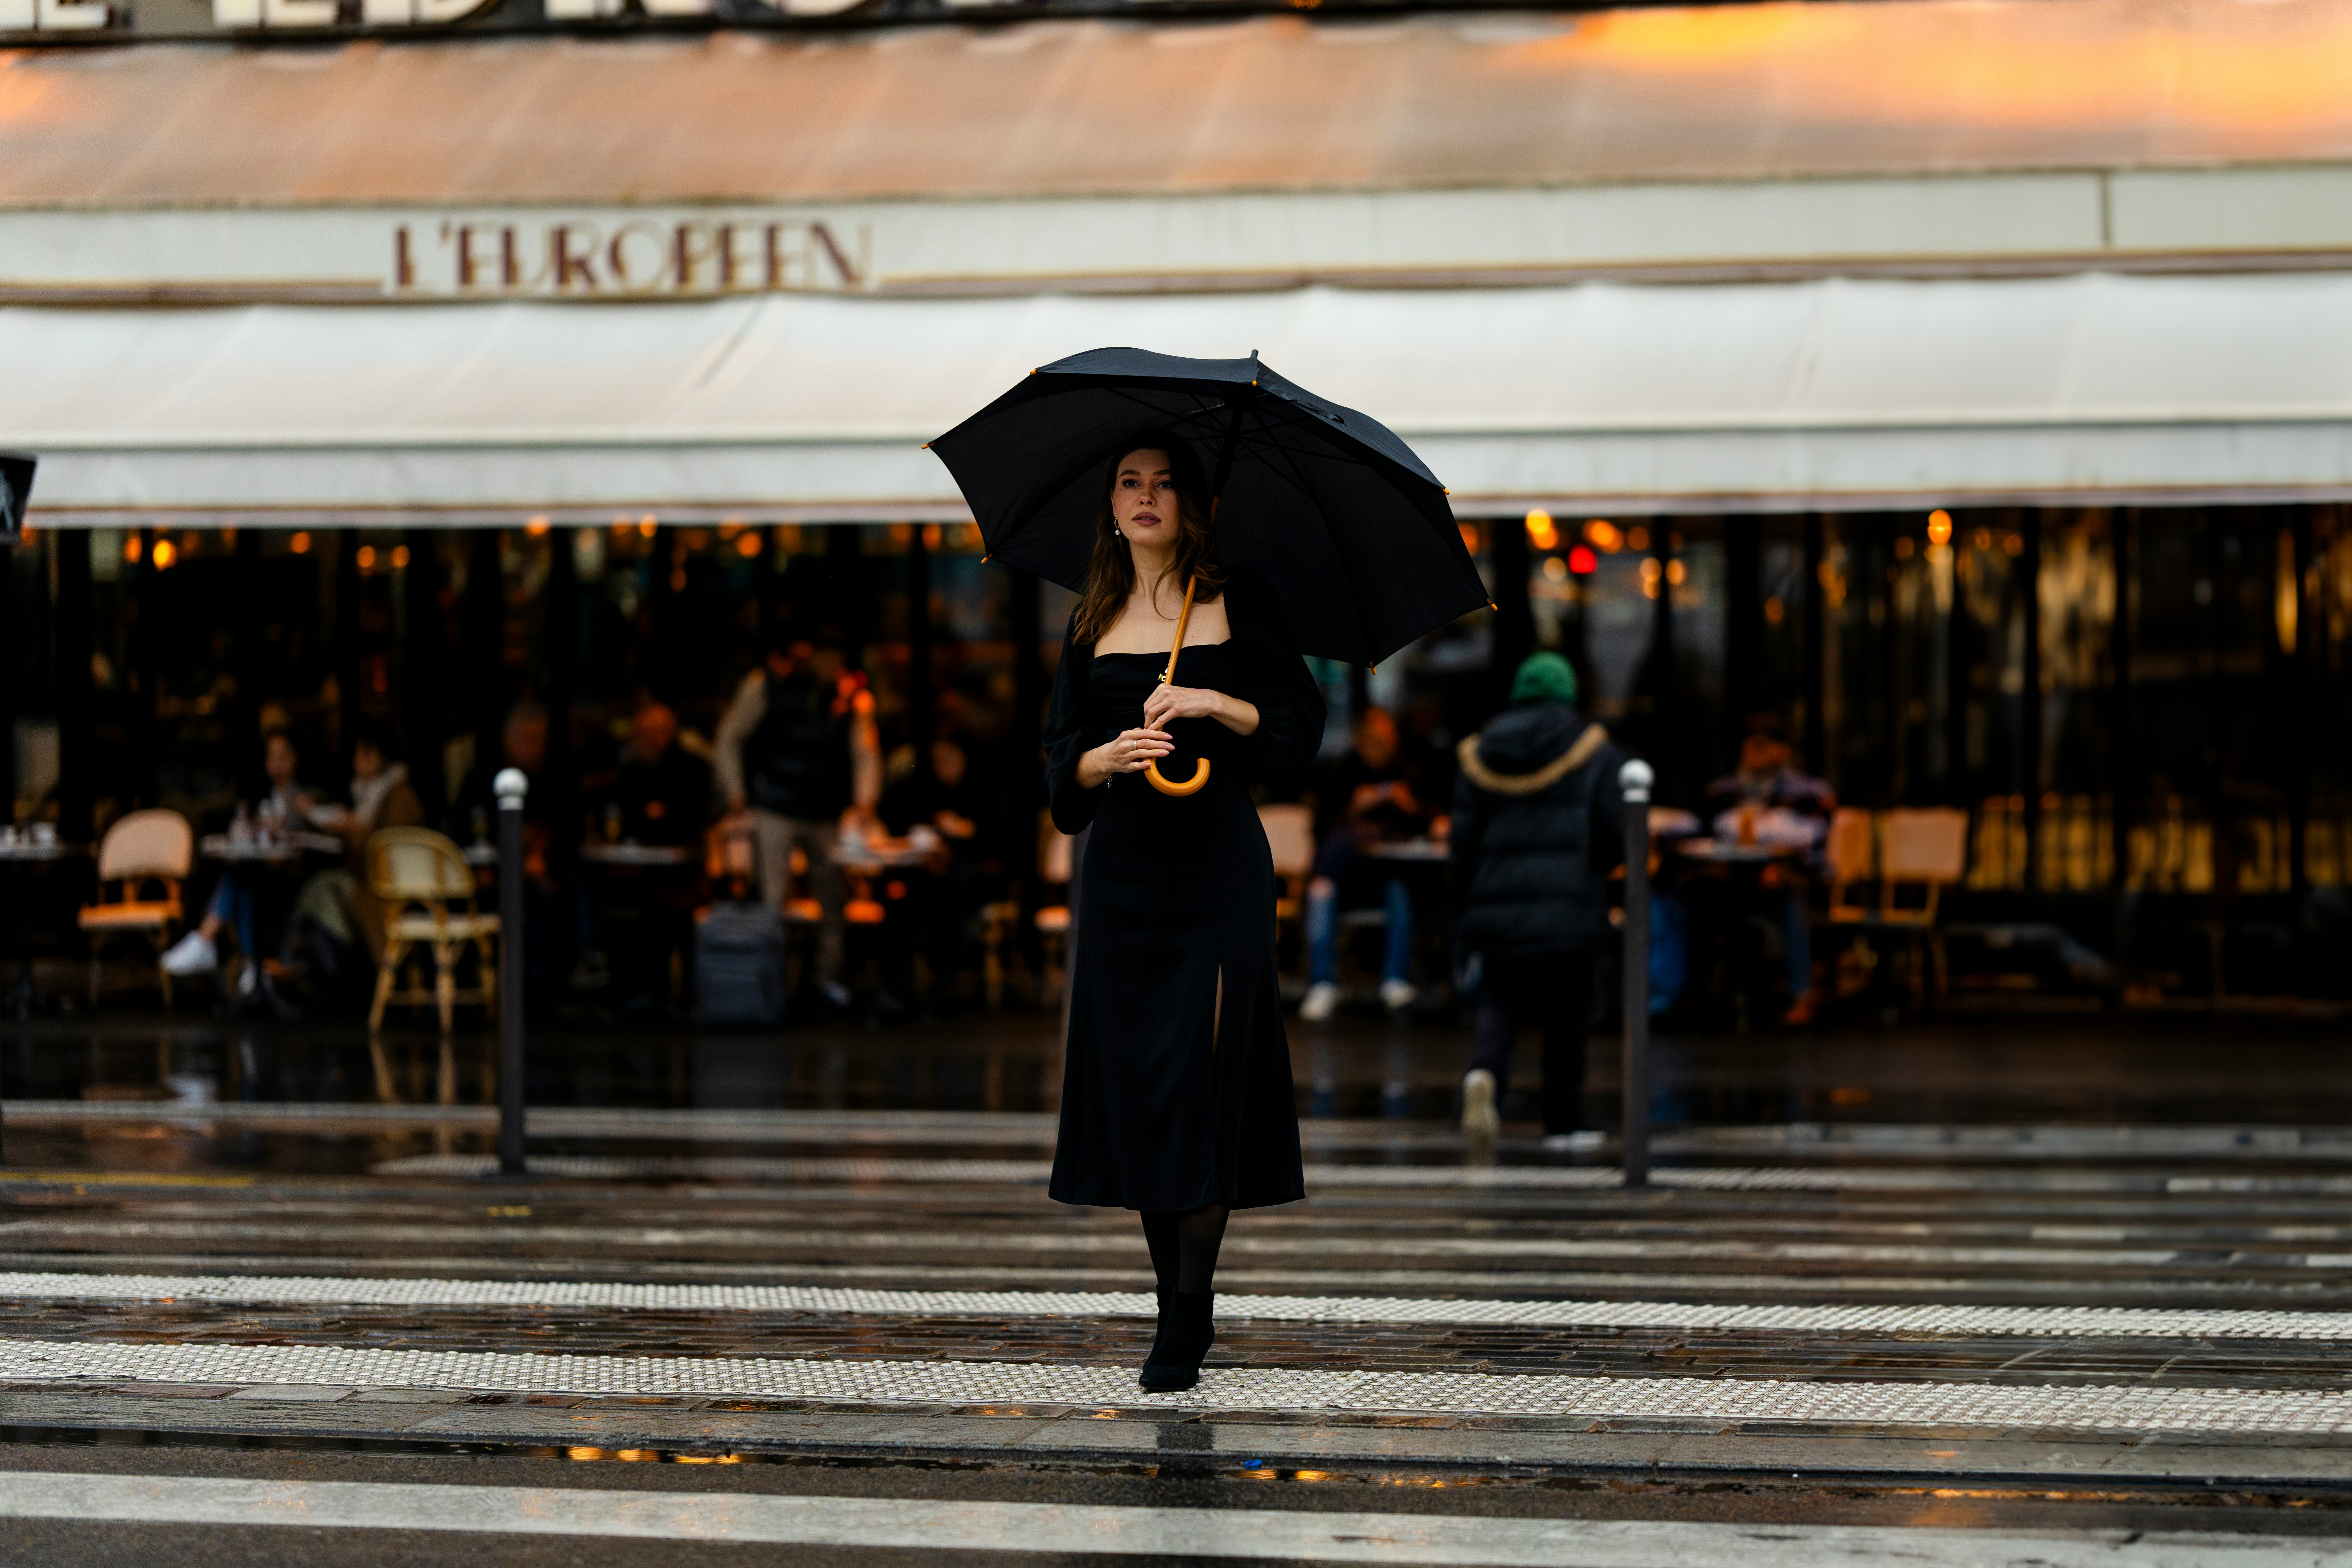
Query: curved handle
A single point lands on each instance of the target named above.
(1169, 787)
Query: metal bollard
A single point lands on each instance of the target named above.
(510, 787)
(1635, 779)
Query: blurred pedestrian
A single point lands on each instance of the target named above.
(1374, 795)
(1536, 830)
(798, 750)
(1766, 799)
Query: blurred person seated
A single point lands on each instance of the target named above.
(338, 929)
(240, 903)
(474, 819)
(1373, 794)
(938, 811)
(798, 750)
(474, 808)
(642, 916)
(1765, 800)
(662, 794)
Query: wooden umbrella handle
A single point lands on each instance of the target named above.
(1168, 677)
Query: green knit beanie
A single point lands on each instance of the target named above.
(1543, 678)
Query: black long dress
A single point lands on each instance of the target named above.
(1160, 1111)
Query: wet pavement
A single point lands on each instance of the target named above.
(2101, 1316)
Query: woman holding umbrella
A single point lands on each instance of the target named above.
(1180, 686)
(1178, 1099)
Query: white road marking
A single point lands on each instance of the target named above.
(1255, 1534)
(1473, 1178)
(2135, 1407)
(1242, 1249)
(1942, 1321)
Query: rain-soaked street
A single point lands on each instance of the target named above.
(1964, 1292)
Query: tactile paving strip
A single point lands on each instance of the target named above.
(323, 1368)
(1938, 1320)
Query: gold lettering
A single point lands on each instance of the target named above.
(733, 270)
(510, 263)
(470, 266)
(616, 256)
(695, 247)
(403, 263)
(850, 277)
(773, 234)
(572, 267)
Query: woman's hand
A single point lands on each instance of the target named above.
(1167, 702)
(1130, 751)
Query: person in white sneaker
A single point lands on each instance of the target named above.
(1374, 795)
(288, 807)
(1537, 829)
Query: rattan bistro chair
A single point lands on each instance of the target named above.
(146, 847)
(427, 890)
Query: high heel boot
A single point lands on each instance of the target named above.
(1187, 1329)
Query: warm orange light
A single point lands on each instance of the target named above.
(932, 536)
(1940, 527)
(366, 557)
(299, 544)
(1674, 572)
(646, 526)
(164, 554)
(1637, 538)
(131, 549)
(1604, 536)
(747, 545)
(1541, 532)
(1651, 570)
(729, 528)
(400, 557)
(1469, 531)
(535, 527)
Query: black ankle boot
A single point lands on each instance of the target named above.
(1187, 1329)
(1160, 1327)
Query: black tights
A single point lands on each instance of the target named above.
(1185, 1248)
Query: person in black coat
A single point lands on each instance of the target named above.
(1536, 830)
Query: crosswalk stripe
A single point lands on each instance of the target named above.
(1942, 1320)
(2135, 1406)
(963, 1528)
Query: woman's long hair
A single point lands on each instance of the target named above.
(1110, 575)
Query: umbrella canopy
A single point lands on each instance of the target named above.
(1352, 529)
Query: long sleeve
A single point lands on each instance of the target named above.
(1065, 739)
(1290, 709)
(742, 717)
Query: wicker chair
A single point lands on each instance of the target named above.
(427, 890)
(146, 847)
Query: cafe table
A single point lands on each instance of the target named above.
(24, 856)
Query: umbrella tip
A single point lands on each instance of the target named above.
(1492, 605)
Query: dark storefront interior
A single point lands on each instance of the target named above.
(2142, 709)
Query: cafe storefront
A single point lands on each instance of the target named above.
(2006, 461)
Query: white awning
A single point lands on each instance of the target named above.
(1837, 394)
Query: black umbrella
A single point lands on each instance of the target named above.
(1350, 526)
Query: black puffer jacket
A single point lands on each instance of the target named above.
(1538, 828)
